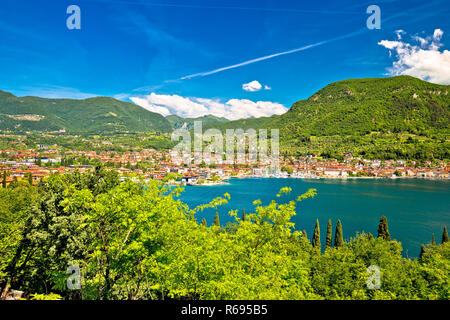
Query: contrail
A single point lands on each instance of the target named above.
(352, 34)
(202, 74)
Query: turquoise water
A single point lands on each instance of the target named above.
(415, 208)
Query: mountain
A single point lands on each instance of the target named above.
(384, 118)
(376, 117)
(360, 106)
(188, 123)
(96, 115)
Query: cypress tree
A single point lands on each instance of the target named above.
(30, 178)
(383, 230)
(305, 236)
(338, 235)
(204, 222)
(4, 179)
(370, 236)
(445, 235)
(216, 220)
(433, 241)
(243, 214)
(422, 252)
(329, 235)
(14, 183)
(316, 236)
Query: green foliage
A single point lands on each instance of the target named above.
(380, 118)
(287, 169)
(4, 179)
(338, 235)
(316, 236)
(329, 236)
(51, 296)
(445, 235)
(383, 230)
(136, 240)
(217, 220)
(100, 114)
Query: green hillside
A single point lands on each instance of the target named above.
(100, 114)
(397, 117)
(187, 123)
(361, 106)
(384, 118)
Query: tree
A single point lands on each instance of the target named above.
(54, 232)
(422, 252)
(204, 222)
(14, 183)
(445, 235)
(304, 235)
(243, 215)
(338, 235)
(216, 220)
(316, 236)
(383, 231)
(287, 169)
(329, 235)
(433, 241)
(4, 179)
(29, 178)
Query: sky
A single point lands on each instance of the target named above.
(234, 59)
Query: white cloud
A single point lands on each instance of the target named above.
(252, 86)
(192, 107)
(423, 60)
(399, 33)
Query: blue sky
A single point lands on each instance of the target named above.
(143, 49)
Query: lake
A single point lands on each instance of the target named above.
(415, 208)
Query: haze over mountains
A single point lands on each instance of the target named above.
(348, 107)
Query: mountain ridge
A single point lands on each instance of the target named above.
(95, 115)
(343, 101)
(384, 118)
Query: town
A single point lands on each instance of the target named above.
(33, 165)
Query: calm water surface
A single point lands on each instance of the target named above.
(415, 208)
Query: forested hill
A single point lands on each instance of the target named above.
(99, 114)
(188, 123)
(361, 106)
(396, 117)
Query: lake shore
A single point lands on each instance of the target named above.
(225, 182)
